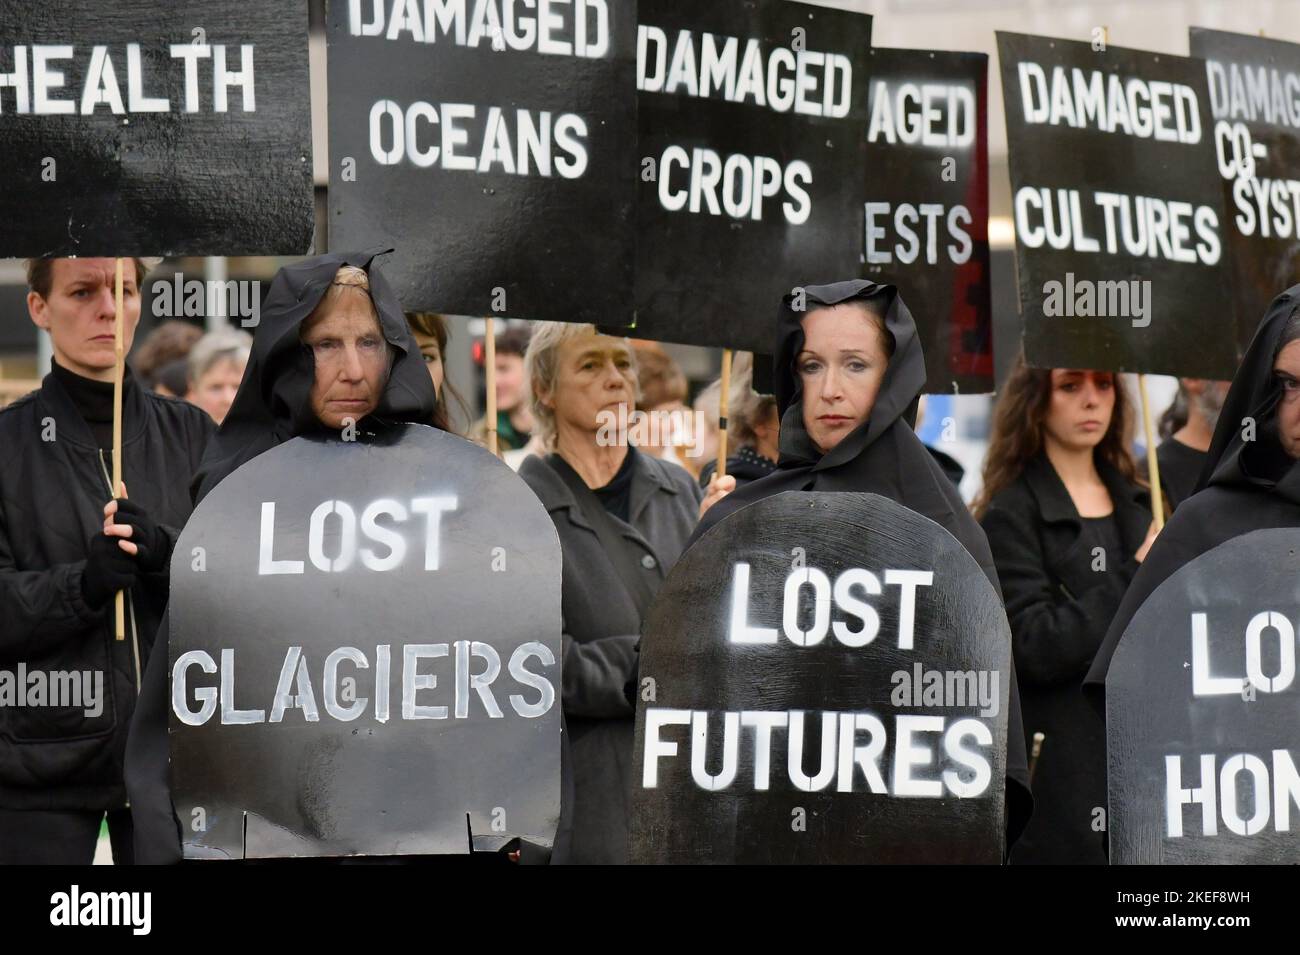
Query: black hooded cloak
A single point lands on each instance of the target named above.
(272, 406)
(882, 456)
(273, 403)
(1246, 485)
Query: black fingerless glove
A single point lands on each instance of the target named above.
(108, 570)
(155, 546)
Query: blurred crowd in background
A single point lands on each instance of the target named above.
(178, 358)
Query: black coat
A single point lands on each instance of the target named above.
(52, 495)
(1059, 608)
(602, 626)
(745, 465)
(1180, 466)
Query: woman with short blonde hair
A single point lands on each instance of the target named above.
(541, 364)
(623, 518)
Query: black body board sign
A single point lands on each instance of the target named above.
(747, 200)
(898, 762)
(1203, 712)
(127, 131)
(403, 700)
(925, 217)
(1255, 103)
(503, 170)
(1120, 236)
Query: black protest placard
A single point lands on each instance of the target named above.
(155, 129)
(925, 217)
(752, 141)
(1255, 104)
(334, 687)
(1203, 712)
(824, 678)
(494, 145)
(1120, 247)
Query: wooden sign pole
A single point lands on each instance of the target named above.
(490, 371)
(724, 395)
(119, 366)
(1153, 465)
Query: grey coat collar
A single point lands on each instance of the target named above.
(647, 478)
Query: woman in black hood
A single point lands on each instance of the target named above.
(1249, 481)
(297, 382)
(881, 455)
(274, 402)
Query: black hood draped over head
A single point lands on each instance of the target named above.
(1248, 483)
(274, 399)
(881, 456)
(1260, 463)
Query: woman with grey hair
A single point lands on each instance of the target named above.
(623, 518)
(215, 368)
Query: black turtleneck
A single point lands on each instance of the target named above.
(94, 399)
(616, 496)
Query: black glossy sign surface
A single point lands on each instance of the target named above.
(1121, 243)
(753, 150)
(1255, 101)
(364, 650)
(925, 218)
(824, 678)
(497, 157)
(145, 128)
(1203, 712)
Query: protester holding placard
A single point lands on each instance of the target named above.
(66, 548)
(623, 517)
(849, 371)
(1067, 520)
(333, 354)
(1249, 481)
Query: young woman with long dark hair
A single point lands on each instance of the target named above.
(1068, 521)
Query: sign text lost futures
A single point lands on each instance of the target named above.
(843, 752)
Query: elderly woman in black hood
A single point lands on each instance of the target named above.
(332, 353)
(849, 373)
(1250, 480)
